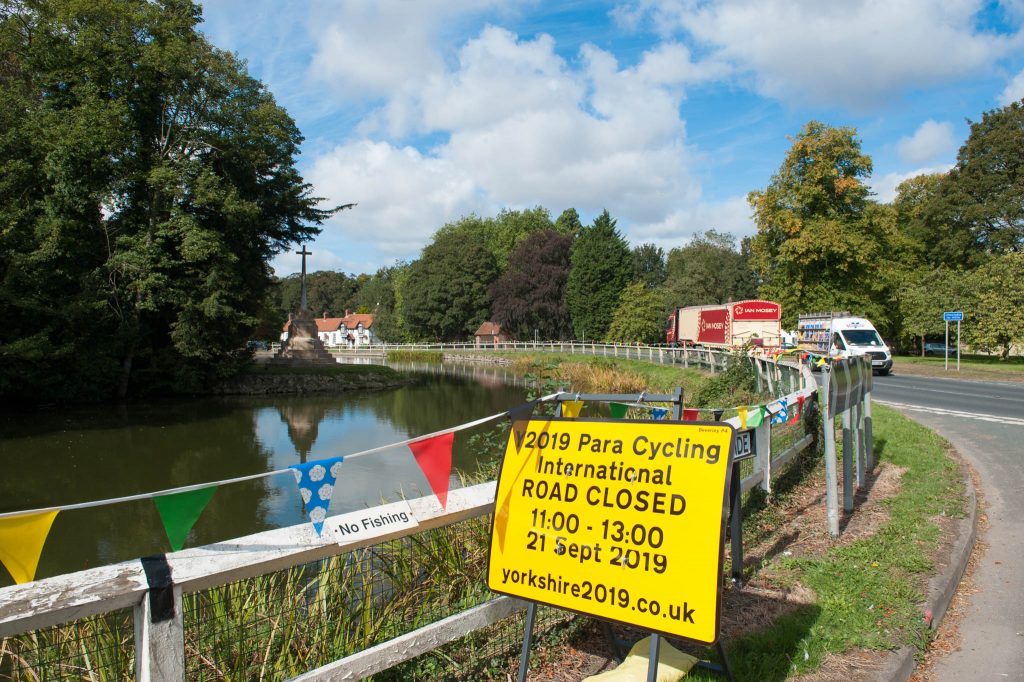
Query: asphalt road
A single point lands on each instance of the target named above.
(985, 423)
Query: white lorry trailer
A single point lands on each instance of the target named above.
(840, 334)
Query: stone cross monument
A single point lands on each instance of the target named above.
(304, 253)
(303, 345)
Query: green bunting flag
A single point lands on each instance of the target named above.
(180, 511)
(755, 417)
(618, 410)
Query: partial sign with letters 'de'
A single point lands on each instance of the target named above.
(746, 446)
(623, 520)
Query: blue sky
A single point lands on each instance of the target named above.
(665, 112)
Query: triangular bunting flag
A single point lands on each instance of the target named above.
(618, 410)
(520, 418)
(659, 413)
(21, 542)
(434, 455)
(718, 415)
(821, 362)
(743, 416)
(691, 415)
(180, 511)
(782, 416)
(571, 408)
(755, 417)
(316, 485)
(800, 405)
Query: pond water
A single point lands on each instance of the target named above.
(104, 452)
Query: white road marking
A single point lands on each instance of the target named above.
(953, 413)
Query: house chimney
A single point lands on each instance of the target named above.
(325, 314)
(347, 312)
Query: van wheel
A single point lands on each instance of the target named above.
(883, 372)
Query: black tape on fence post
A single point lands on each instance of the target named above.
(161, 587)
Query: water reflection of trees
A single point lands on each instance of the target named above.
(112, 453)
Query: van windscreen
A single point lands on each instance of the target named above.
(862, 337)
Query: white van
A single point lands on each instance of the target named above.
(841, 334)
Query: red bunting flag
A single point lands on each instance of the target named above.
(690, 415)
(800, 405)
(434, 455)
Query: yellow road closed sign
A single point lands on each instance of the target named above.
(623, 520)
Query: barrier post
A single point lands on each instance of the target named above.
(847, 463)
(858, 444)
(831, 477)
(868, 437)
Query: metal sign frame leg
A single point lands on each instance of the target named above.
(524, 656)
(736, 525)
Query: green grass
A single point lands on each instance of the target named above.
(415, 356)
(986, 363)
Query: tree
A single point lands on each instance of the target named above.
(377, 294)
(925, 294)
(817, 246)
(602, 266)
(639, 318)
(326, 292)
(446, 295)
(649, 265)
(981, 195)
(503, 232)
(569, 223)
(995, 320)
(530, 295)
(147, 182)
(708, 270)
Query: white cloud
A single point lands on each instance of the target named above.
(371, 48)
(884, 186)
(678, 227)
(855, 53)
(518, 127)
(931, 140)
(1014, 90)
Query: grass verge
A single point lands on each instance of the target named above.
(971, 367)
(867, 592)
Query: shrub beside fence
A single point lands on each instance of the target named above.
(287, 603)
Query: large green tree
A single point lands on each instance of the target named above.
(147, 180)
(708, 270)
(818, 247)
(446, 295)
(529, 297)
(639, 317)
(994, 320)
(982, 194)
(602, 266)
(649, 265)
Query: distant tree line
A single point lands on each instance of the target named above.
(536, 277)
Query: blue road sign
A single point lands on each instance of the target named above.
(957, 316)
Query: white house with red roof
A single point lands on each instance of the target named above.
(355, 329)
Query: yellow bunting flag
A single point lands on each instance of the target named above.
(21, 542)
(571, 408)
(743, 416)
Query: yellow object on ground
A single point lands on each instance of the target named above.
(673, 664)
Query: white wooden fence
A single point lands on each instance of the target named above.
(159, 646)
